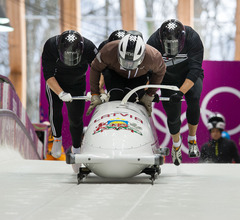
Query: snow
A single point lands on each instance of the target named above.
(34, 189)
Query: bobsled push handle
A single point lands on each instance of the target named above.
(86, 98)
(126, 97)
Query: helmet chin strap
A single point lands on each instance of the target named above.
(136, 72)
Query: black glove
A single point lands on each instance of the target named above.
(176, 97)
(156, 98)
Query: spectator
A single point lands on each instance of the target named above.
(218, 149)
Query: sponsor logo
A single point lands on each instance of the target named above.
(118, 124)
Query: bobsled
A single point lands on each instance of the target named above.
(120, 141)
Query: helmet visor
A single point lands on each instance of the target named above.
(129, 64)
(171, 47)
(70, 58)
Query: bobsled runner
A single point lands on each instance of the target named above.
(120, 141)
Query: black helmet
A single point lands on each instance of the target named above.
(134, 32)
(117, 35)
(131, 51)
(216, 120)
(172, 37)
(70, 47)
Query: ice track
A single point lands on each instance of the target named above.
(33, 189)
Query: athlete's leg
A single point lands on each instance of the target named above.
(114, 84)
(173, 111)
(56, 119)
(193, 114)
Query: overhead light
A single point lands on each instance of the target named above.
(3, 18)
(6, 28)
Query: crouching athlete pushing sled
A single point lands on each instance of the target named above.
(182, 50)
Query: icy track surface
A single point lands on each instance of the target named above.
(31, 189)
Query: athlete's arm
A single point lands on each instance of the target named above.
(54, 86)
(186, 86)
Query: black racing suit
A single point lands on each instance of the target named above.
(72, 79)
(220, 151)
(179, 69)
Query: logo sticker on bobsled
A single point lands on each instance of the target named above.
(117, 124)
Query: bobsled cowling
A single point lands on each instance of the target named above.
(119, 141)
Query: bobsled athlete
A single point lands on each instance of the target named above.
(129, 61)
(115, 35)
(182, 50)
(218, 149)
(65, 60)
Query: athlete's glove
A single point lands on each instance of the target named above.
(104, 97)
(95, 100)
(65, 97)
(176, 97)
(146, 100)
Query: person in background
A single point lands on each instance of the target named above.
(128, 61)
(219, 149)
(65, 60)
(182, 50)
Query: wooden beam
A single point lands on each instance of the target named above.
(186, 12)
(70, 15)
(17, 48)
(128, 14)
(237, 38)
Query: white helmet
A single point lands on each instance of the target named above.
(216, 120)
(131, 51)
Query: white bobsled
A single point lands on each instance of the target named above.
(120, 141)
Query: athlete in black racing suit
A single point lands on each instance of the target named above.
(183, 50)
(65, 60)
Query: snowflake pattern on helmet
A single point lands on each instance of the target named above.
(71, 38)
(120, 34)
(133, 38)
(171, 26)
